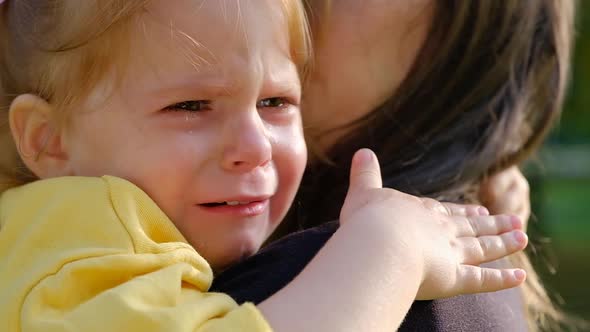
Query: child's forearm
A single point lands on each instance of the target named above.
(390, 249)
(355, 283)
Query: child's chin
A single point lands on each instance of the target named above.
(237, 256)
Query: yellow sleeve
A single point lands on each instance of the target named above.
(96, 254)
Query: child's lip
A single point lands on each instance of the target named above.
(237, 199)
(248, 209)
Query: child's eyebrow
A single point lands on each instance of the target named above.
(285, 87)
(214, 87)
(284, 79)
(202, 85)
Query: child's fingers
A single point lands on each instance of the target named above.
(474, 279)
(488, 248)
(486, 225)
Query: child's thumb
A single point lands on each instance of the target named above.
(364, 172)
(364, 175)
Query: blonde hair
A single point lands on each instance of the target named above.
(60, 49)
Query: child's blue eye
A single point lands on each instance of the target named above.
(274, 102)
(190, 106)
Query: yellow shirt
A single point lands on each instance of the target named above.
(97, 254)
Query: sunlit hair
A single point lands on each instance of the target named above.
(61, 49)
(483, 92)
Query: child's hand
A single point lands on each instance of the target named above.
(448, 241)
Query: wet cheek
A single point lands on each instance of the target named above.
(169, 170)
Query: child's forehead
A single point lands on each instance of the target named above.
(212, 46)
(212, 36)
(213, 24)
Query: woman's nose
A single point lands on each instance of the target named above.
(247, 144)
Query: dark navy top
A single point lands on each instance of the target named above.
(263, 274)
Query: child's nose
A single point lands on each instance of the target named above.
(247, 144)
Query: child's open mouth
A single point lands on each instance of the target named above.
(237, 208)
(230, 203)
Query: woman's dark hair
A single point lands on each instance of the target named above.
(484, 90)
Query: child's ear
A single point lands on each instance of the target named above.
(37, 136)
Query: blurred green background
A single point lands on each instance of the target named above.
(560, 190)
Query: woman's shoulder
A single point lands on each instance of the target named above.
(490, 312)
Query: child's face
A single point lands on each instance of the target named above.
(207, 113)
